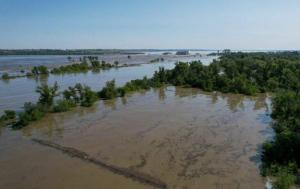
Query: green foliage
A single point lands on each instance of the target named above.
(47, 94)
(105, 65)
(9, 114)
(32, 112)
(246, 73)
(286, 145)
(281, 156)
(95, 64)
(39, 70)
(88, 97)
(63, 105)
(138, 84)
(81, 95)
(285, 176)
(109, 91)
(83, 66)
(8, 117)
(160, 77)
(73, 93)
(5, 76)
(73, 68)
(284, 180)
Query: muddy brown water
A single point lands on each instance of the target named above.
(186, 138)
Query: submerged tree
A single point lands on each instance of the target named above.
(47, 94)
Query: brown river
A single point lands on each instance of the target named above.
(181, 137)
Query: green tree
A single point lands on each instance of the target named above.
(47, 94)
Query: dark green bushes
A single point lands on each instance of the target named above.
(281, 156)
(5, 76)
(8, 118)
(88, 97)
(284, 180)
(246, 73)
(81, 95)
(83, 66)
(73, 68)
(110, 91)
(32, 112)
(137, 84)
(285, 176)
(40, 70)
(95, 64)
(63, 105)
(77, 95)
(47, 94)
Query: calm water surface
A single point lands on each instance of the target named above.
(14, 92)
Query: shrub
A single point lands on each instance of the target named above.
(32, 112)
(40, 70)
(5, 76)
(47, 94)
(95, 64)
(63, 105)
(284, 181)
(88, 97)
(137, 84)
(109, 91)
(73, 68)
(10, 114)
(8, 118)
(82, 95)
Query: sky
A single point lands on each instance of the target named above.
(150, 24)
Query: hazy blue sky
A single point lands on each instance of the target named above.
(210, 24)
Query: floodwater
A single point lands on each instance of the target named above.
(15, 92)
(184, 137)
(14, 64)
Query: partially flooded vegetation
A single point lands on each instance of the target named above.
(85, 64)
(249, 74)
(172, 137)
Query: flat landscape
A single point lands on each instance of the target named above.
(153, 94)
(168, 133)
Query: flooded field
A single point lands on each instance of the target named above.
(14, 93)
(181, 137)
(16, 63)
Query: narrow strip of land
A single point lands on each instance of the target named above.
(134, 175)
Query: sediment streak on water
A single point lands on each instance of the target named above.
(134, 175)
